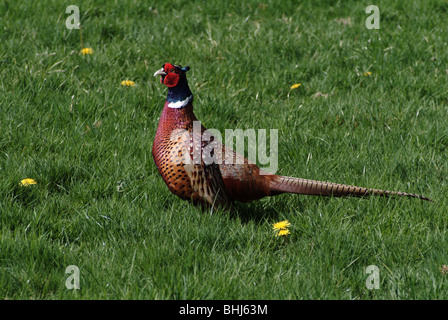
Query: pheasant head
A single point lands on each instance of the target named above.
(174, 77)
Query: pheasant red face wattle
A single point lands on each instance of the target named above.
(171, 77)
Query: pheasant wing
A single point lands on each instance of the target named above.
(205, 175)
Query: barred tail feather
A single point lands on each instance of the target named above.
(282, 184)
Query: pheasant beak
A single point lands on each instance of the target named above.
(160, 72)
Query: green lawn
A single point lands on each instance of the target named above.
(100, 204)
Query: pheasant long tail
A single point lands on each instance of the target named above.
(283, 184)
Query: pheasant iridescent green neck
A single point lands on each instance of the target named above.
(180, 95)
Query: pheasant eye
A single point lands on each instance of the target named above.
(172, 70)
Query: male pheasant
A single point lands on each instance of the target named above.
(230, 177)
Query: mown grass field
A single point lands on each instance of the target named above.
(99, 203)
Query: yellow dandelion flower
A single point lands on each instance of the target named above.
(295, 86)
(128, 83)
(27, 182)
(368, 73)
(281, 225)
(283, 233)
(85, 51)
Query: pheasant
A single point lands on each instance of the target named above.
(178, 152)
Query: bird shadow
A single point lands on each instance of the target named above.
(258, 211)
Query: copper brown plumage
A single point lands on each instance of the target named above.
(177, 151)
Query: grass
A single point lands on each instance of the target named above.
(67, 122)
